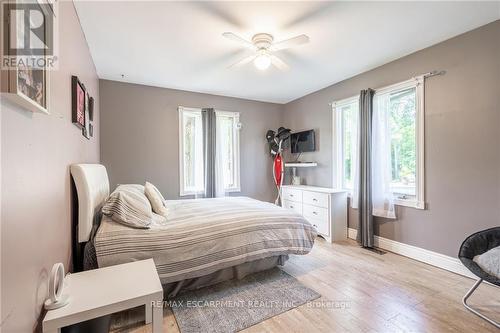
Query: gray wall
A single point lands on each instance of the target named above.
(140, 136)
(462, 121)
(36, 151)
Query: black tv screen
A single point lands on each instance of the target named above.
(302, 142)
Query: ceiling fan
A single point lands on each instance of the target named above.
(264, 46)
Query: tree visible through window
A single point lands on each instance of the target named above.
(400, 131)
(349, 136)
(403, 141)
(346, 114)
(229, 146)
(191, 150)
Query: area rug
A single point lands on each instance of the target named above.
(237, 304)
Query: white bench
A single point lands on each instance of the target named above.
(104, 291)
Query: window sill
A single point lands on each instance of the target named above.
(186, 194)
(410, 203)
(403, 203)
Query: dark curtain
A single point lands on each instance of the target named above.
(365, 217)
(208, 120)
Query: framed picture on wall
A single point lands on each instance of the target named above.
(25, 84)
(86, 128)
(78, 97)
(87, 98)
(91, 108)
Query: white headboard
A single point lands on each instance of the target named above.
(92, 186)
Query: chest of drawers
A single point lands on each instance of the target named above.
(324, 208)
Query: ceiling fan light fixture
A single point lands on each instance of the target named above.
(262, 61)
(264, 47)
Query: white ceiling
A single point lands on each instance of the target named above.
(179, 44)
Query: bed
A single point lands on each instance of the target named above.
(202, 242)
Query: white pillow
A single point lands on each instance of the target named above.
(129, 206)
(156, 199)
(489, 261)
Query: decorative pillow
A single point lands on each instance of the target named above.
(129, 206)
(489, 261)
(158, 220)
(156, 199)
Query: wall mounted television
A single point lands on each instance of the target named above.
(302, 142)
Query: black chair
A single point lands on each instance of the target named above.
(474, 245)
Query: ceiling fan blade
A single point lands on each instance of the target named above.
(238, 39)
(243, 61)
(280, 64)
(284, 44)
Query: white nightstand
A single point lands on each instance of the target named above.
(103, 291)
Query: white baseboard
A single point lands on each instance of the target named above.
(429, 257)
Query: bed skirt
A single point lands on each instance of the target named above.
(235, 272)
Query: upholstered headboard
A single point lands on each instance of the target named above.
(92, 187)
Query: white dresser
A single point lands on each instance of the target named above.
(325, 208)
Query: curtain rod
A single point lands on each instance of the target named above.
(431, 74)
(425, 75)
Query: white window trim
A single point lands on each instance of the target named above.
(338, 165)
(236, 143)
(418, 83)
(182, 191)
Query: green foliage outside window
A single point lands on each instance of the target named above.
(403, 140)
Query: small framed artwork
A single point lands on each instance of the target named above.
(91, 108)
(86, 128)
(87, 97)
(77, 102)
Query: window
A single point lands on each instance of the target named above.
(192, 180)
(346, 123)
(191, 150)
(402, 106)
(402, 113)
(228, 141)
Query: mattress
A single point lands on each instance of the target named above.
(202, 236)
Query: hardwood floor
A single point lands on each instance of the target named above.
(363, 291)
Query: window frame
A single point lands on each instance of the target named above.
(236, 145)
(182, 190)
(338, 158)
(417, 83)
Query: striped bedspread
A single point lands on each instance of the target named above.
(205, 235)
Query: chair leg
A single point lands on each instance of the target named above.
(464, 301)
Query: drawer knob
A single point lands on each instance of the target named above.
(291, 206)
(314, 225)
(314, 199)
(315, 213)
(291, 195)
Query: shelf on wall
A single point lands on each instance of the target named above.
(301, 165)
